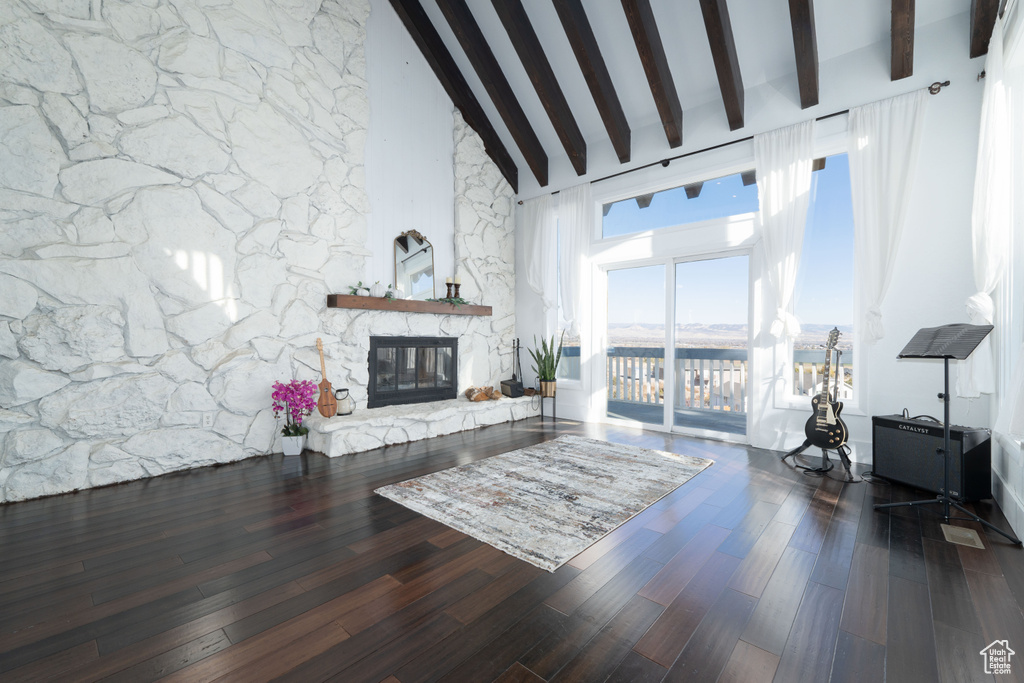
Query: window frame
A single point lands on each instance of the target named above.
(829, 145)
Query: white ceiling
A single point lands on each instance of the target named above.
(764, 46)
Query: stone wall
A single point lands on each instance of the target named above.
(484, 260)
(181, 184)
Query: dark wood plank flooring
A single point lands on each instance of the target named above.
(293, 569)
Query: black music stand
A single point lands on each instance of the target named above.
(957, 342)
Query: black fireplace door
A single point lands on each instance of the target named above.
(412, 370)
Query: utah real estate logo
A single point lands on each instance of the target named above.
(997, 657)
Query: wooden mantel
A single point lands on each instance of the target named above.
(374, 303)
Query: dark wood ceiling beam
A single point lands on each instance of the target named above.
(983, 18)
(902, 39)
(441, 62)
(531, 54)
(805, 45)
(473, 43)
(595, 71)
(723, 50)
(652, 54)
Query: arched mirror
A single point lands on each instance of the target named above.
(414, 266)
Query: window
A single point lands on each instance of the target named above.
(824, 291)
(569, 366)
(718, 198)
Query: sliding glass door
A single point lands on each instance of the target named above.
(635, 369)
(698, 309)
(711, 312)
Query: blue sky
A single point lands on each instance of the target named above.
(715, 291)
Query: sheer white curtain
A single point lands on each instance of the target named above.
(991, 216)
(883, 141)
(575, 221)
(783, 161)
(540, 249)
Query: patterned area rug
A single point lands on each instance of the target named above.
(547, 503)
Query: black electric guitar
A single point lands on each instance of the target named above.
(824, 428)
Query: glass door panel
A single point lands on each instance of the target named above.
(635, 372)
(711, 345)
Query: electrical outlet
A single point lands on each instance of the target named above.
(208, 419)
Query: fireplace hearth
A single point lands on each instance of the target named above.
(412, 370)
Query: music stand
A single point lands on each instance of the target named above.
(956, 341)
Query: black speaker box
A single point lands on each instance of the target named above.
(908, 451)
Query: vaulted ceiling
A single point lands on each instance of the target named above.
(551, 80)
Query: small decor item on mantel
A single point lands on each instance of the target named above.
(358, 289)
(453, 300)
(295, 400)
(545, 364)
(449, 283)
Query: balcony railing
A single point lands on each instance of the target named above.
(705, 379)
(808, 365)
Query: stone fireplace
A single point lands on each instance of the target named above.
(412, 370)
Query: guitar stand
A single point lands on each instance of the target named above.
(826, 464)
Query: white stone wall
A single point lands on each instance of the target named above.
(484, 260)
(181, 184)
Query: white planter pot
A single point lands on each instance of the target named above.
(292, 445)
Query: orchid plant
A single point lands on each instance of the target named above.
(296, 400)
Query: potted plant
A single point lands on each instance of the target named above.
(296, 400)
(545, 363)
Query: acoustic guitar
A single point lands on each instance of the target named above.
(824, 428)
(326, 403)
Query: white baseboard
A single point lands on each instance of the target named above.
(1007, 461)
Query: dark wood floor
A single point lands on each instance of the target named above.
(294, 569)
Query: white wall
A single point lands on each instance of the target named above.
(1008, 446)
(933, 276)
(409, 150)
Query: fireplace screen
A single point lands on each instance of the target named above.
(412, 370)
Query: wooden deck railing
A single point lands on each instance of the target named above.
(705, 379)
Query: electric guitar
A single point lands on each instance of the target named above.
(326, 403)
(824, 428)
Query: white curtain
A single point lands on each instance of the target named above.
(540, 249)
(991, 216)
(783, 161)
(575, 222)
(883, 141)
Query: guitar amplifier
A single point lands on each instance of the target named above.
(907, 451)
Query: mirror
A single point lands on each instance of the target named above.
(414, 267)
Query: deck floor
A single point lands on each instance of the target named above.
(710, 420)
(293, 569)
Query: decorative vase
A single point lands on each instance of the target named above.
(547, 388)
(292, 445)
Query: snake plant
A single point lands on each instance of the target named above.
(545, 359)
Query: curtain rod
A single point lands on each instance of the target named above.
(933, 89)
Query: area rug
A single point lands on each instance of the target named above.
(547, 503)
